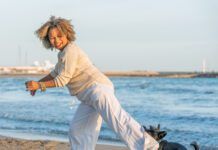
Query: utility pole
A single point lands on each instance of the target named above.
(26, 56)
(204, 66)
(19, 56)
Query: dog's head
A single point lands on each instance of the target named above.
(155, 132)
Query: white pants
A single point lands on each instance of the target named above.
(99, 102)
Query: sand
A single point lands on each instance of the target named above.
(9, 143)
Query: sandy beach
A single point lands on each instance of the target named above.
(9, 143)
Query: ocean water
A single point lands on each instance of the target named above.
(186, 108)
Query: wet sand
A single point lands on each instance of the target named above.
(9, 143)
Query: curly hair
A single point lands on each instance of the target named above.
(63, 25)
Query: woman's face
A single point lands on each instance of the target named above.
(57, 39)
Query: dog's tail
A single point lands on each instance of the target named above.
(195, 145)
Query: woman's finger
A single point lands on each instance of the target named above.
(26, 84)
(29, 87)
(33, 92)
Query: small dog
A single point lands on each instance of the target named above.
(158, 135)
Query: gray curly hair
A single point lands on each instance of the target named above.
(63, 25)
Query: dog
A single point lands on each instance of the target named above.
(158, 135)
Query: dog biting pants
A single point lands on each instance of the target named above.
(97, 102)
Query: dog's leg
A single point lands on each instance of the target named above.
(195, 145)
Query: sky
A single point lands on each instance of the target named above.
(155, 35)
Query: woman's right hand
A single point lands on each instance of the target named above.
(32, 86)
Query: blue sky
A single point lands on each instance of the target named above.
(169, 35)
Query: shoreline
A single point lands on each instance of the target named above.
(131, 74)
(14, 142)
(28, 141)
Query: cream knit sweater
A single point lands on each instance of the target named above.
(76, 71)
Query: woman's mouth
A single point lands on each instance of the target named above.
(58, 45)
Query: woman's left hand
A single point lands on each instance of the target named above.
(32, 85)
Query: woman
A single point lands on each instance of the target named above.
(91, 87)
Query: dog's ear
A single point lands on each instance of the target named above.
(158, 126)
(145, 128)
(152, 128)
(162, 134)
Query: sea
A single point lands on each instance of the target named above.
(187, 108)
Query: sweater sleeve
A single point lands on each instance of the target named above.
(66, 67)
(54, 72)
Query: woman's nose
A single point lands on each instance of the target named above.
(57, 40)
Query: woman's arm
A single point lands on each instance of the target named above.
(46, 82)
(46, 78)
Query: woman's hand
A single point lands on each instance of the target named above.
(32, 86)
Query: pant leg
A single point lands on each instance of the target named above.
(84, 128)
(102, 98)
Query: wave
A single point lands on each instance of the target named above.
(108, 138)
(202, 147)
(48, 131)
(37, 121)
(136, 85)
(176, 90)
(39, 130)
(209, 92)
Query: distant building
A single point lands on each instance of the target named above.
(36, 68)
(47, 65)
